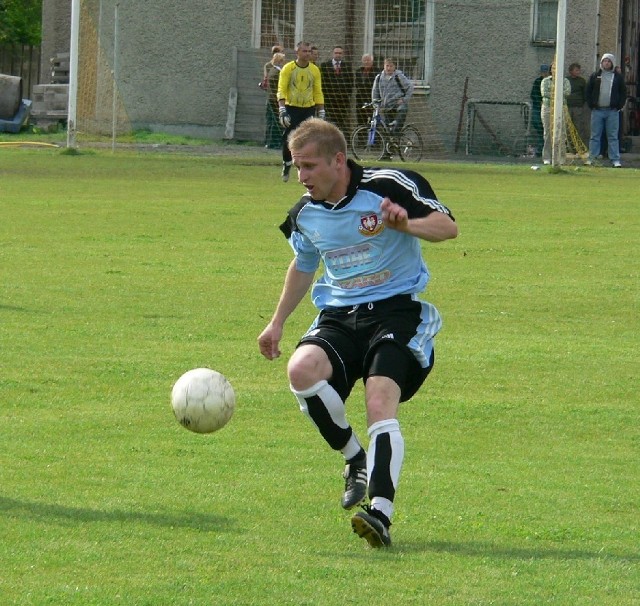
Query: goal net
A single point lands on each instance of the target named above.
(100, 107)
(472, 86)
(500, 128)
(466, 89)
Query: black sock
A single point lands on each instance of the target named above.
(360, 460)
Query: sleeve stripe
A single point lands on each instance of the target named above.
(399, 177)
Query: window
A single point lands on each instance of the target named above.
(277, 20)
(402, 29)
(545, 17)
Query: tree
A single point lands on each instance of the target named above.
(20, 21)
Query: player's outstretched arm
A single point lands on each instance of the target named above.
(296, 285)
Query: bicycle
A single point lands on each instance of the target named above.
(377, 141)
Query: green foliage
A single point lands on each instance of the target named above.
(121, 271)
(20, 21)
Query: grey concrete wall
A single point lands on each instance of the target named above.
(326, 25)
(493, 48)
(56, 32)
(175, 60)
(175, 71)
(609, 35)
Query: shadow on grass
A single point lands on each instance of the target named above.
(13, 308)
(492, 550)
(59, 513)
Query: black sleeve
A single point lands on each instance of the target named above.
(289, 225)
(410, 190)
(588, 92)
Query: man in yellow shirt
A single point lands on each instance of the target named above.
(299, 98)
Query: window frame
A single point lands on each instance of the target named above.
(538, 30)
(256, 41)
(424, 79)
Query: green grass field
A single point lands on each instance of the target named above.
(521, 483)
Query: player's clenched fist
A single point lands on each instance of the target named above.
(394, 215)
(269, 341)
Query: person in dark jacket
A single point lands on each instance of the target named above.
(363, 83)
(577, 102)
(337, 85)
(606, 95)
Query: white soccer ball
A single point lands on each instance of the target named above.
(203, 400)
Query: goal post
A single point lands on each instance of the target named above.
(95, 105)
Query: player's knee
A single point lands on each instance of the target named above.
(301, 374)
(308, 365)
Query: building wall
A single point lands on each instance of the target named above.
(56, 30)
(608, 34)
(175, 61)
(177, 69)
(493, 49)
(326, 32)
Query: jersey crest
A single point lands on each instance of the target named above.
(370, 225)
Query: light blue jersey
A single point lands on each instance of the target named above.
(363, 259)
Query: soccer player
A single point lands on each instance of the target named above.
(299, 97)
(365, 225)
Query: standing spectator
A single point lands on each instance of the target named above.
(276, 48)
(536, 106)
(363, 84)
(337, 84)
(392, 89)
(366, 227)
(274, 130)
(547, 91)
(606, 96)
(315, 55)
(299, 98)
(577, 100)
(603, 141)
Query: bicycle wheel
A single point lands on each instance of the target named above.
(410, 144)
(362, 148)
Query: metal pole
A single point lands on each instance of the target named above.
(558, 79)
(72, 107)
(114, 103)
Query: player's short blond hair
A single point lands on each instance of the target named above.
(328, 139)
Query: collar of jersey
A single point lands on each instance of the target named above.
(352, 188)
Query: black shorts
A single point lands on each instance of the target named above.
(374, 339)
(299, 114)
